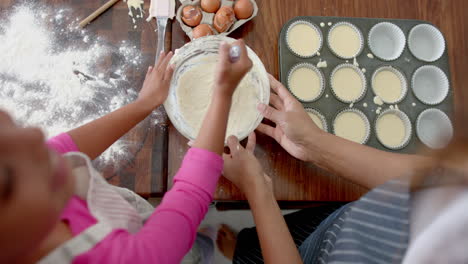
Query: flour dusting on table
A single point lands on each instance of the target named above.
(56, 76)
(137, 7)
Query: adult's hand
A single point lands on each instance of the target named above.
(294, 128)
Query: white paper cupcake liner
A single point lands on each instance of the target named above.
(363, 116)
(319, 32)
(358, 71)
(387, 41)
(426, 42)
(361, 38)
(430, 85)
(401, 76)
(317, 71)
(320, 116)
(434, 128)
(408, 129)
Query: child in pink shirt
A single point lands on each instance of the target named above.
(57, 208)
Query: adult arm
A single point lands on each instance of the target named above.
(296, 133)
(95, 137)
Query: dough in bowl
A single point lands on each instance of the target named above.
(196, 89)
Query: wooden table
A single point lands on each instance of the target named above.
(295, 180)
(147, 171)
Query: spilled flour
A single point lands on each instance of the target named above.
(137, 7)
(57, 77)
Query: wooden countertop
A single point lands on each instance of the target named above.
(149, 171)
(295, 180)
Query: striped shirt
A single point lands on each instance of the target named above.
(374, 229)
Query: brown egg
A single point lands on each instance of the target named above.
(224, 19)
(210, 6)
(201, 31)
(243, 9)
(192, 15)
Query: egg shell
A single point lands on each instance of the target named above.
(243, 9)
(210, 6)
(202, 30)
(192, 15)
(224, 19)
(208, 18)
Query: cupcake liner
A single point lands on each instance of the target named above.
(361, 38)
(361, 74)
(319, 32)
(402, 78)
(430, 85)
(434, 128)
(363, 116)
(408, 128)
(316, 70)
(426, 42)
(387, 41)
(320, 116)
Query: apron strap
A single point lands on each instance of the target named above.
(78, 245)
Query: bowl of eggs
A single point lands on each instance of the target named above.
(201, 18)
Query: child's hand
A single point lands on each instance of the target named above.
(156, 86)
(243, 169)
(230, 74)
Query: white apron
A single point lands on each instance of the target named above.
(92, 187)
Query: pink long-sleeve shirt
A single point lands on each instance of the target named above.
(170, 231)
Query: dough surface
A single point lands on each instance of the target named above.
(387, 85)
(350, 126)
(391, 130)
(317, 120)
(194, 97)
(303, 39)
(305, 83)
(347, 84)
(345, 41)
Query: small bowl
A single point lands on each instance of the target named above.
(430, 85)
(434, 128)
(387, 41)
(361, 75)
(320, 117)
(321, 80)
(297, 52)
(403, 81)
(339, 53)
(426, 42)
(406, 123)
(364, 119)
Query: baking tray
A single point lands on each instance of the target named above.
(407, 63)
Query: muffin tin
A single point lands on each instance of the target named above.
(407, 63)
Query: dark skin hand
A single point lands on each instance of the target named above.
(295, 131)
(229, 75)
(95, 137)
